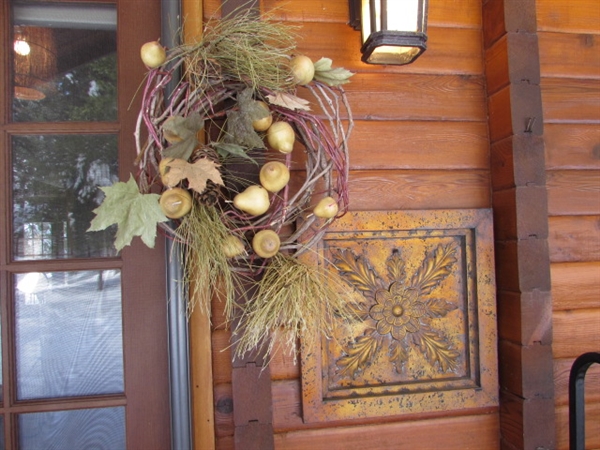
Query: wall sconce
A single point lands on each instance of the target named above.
(393, 31)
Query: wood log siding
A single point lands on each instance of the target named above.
(420, 142)
(429, 123)
(569, 37)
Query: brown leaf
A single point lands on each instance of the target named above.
(197, 173)
(289, 101)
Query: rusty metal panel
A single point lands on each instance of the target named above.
(424, 339)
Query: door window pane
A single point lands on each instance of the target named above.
(68, 334)
(64, 63)
(56, 181)
(98, 429)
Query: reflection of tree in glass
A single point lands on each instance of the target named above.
(55, 180)
(85, 93)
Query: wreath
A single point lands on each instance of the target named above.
(235, 166)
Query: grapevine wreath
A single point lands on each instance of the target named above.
(242, 108)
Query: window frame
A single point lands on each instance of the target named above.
(144, 291)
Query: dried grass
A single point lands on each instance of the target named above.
(295, 300)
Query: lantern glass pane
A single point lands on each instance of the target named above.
(365, 20)
(403, 15)
(389, 54)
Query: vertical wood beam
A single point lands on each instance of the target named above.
(519, 201)
(201, 370)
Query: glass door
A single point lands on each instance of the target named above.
(78, 371)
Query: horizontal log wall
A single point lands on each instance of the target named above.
(420, 141)
(569, 38)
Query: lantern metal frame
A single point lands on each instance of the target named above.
(415, 42)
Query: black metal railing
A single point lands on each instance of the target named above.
(577, 399)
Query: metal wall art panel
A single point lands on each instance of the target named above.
(424, 337)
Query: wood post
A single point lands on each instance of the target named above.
(521, 224)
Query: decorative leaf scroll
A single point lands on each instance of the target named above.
(359, 354)
(436, 348)
(435, 269)
(438, 307)
(134, 213)
(401, 312)
(357, 272)
(398, 355)
(395, 266)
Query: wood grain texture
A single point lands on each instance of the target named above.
(563, 16)
(575, 285)
(418, 189)
(411, 97)
(526, 370)
(525, 318)
(574, 238)
(521, 213)
(223, 396)
(569, 100)
(419, 145)
(562, 369)
(457, 433)
(573, 192)
(221, 356)
(518, 161)
(572, 146)
(575, 332)
(569, 55)
(449, 50)
(592, 426)
(526, 423)
(451, 13)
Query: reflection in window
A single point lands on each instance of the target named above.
(68, 331)
(56, 181)
(39, 238)
(64, 70)
(98, 429)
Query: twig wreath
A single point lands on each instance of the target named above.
(239, 89)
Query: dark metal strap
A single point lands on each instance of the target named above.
(577, 399)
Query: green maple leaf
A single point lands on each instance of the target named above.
(135, 214)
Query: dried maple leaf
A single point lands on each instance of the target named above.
(197, 173)
(289, 101)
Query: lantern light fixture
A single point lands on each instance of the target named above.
(393, 31)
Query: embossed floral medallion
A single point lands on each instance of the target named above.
(424, 335)
(402, 311)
